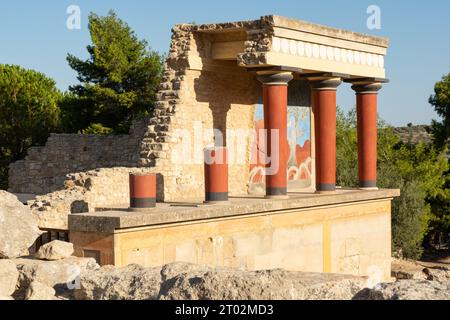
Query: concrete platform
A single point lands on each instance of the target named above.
(106, 221)
(348, 232)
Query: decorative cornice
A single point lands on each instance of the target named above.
(323, 52)
(275, 79)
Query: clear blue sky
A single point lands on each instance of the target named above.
(34, 34)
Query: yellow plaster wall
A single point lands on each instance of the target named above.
(347, 238)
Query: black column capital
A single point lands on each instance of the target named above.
(275, 79)
(367, 88)
(329, 84)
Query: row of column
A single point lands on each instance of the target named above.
(323, 93)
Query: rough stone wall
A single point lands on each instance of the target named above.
(45, 168)
(195, 91)
(222, 96)
(85, 192)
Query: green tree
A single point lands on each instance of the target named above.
(439, 229)
(418, 170)
(440, 100)
(28, 113)
(118, 82)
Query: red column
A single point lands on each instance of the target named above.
(366, 107)
(216, 174)
(324, 108)
(275, 93)
(142, 191)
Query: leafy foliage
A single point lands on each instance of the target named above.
(440, 220)
(441, 103)
(419, 171)
(117, 83)
(28, 113)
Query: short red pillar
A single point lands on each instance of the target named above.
(142, 191)
(367, 124)
(275, 96)
(216, 174)
(324, 108)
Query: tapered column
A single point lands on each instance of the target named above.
(275, 93)
(216, 174)
(366, 107)
(324, 108)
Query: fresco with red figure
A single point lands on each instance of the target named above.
(299, 142)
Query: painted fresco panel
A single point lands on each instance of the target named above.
(299, 140)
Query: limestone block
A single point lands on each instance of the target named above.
(8, 277)
(39, 291)
(55, 250)
(18, 227)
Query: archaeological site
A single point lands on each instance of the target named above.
(232, 176)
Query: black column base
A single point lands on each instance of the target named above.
(326, 187)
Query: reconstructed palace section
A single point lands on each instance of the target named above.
(222, 86)
(348, 232)
(210, 81)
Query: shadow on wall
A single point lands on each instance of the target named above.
(79, 206)
(159, 187)
(221, 90)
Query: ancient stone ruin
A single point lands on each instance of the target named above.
(266, 90)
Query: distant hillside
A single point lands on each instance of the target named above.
(415, 134)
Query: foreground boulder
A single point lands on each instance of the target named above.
(111, 283)
(172, 270)
(8, 278)
(261, 285)
(39, 291)
(407, 290)
(184, 281)
(62, 275)
(18, 227)
(55, 250)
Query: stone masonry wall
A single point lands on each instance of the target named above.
(85, 192)
(45, 168)
(196, 91)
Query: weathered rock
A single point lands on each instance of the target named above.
(111, 283)
(18, 227)
(434, 274)
(62, 275)
(172, 270)
(261, 285)
(8, 277)
(407, 290)
(55, 250)
(39, 291)
(407, 270)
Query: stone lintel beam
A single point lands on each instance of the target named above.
(366, 80)
(321, 75)
(274, 69)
